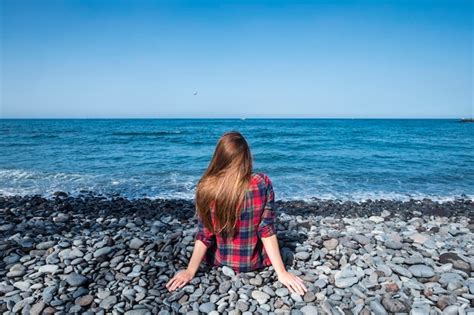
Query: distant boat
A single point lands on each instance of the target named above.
(467, 120)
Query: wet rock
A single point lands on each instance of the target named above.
(76, 280)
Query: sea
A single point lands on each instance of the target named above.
(306, 159)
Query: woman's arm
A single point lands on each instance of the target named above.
(204, 239)
(184, 276)
(267, 233)
(294, 283)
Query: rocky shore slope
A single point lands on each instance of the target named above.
(90, 254)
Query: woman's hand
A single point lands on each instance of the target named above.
(184, 276)
(180, 279)
(292, 282)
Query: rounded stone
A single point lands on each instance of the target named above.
(136, 243)
(361, 239)
(302, 256)
(224, 287)
(282, 292)
(260, 297)
(76, 280)
(309, 297)
(228, 271)
(85, 300)
(331, 244)
(207, 307)
(421, 271)
(37, 308)
(48, 268)
(242, 305)
(108, 302)
(309, 310)
(296, 297)
(102, 251)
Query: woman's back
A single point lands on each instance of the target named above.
(244, 251)
(234, 201)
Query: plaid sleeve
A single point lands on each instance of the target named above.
(267, 223)
(204, 234)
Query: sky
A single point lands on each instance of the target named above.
(234, 59)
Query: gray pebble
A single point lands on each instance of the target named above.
(207, 307)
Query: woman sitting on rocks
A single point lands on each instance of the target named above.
(236, 217)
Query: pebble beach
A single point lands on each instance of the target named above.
(90, 254)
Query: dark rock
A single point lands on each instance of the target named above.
(394, 306)
(76, 280)
(458, 262)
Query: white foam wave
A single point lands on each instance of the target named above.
(175, 185)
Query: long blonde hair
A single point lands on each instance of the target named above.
(223, 185)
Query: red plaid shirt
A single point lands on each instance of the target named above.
(245, 252)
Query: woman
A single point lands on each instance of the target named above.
(235, 211)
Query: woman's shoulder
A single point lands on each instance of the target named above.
(261, 178)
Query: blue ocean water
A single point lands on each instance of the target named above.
(305, 158)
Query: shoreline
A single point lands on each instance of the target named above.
(149, 207)
(91, 254)
(396, 197)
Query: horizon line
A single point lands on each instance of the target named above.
(232, 118)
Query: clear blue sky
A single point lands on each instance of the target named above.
(244, 59)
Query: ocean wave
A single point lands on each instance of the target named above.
(43, 136)
(174, 185)
(190, 196)
(365, 196)
(147, 133)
